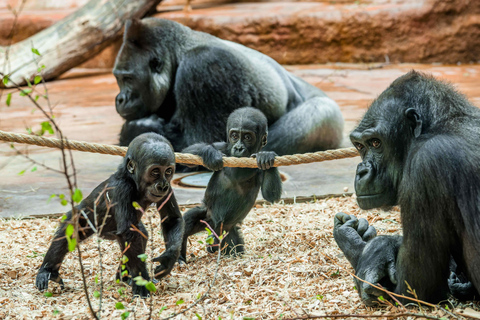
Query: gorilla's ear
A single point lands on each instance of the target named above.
(264, 140)
(131, 166)
(134, 31)
(414, 120)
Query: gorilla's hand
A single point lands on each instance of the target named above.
(265, 159)
(460, 287)
(351, 235)
(133, 128)
(376, 265)
(373, 258)
(167, 261)
(212, 158)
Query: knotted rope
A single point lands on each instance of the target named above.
(183, 158)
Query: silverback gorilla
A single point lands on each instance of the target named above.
(420, 148)
(231, 192)
(144, 176)
(184, 84)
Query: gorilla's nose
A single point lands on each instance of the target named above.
(120, 100)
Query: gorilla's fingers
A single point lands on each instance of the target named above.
(392, 272)
(362, 226)
(369, 234)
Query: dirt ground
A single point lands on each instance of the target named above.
(292, 268)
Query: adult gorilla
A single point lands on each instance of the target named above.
(420, 146)
(184, 84)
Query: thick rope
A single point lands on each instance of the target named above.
(184, 158)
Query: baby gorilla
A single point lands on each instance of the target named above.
(232, 192)
(144, 177)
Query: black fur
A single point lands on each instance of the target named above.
(419, 143)
(144, 176)
(191, 82)
(231, 192)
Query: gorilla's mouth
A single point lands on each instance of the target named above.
(154, 195)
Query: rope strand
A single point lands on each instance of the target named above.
(183, 158)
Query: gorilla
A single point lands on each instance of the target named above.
(420, 148)
(231, 192)
(184, 84)
(144, 176)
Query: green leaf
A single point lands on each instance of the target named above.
(72, 244)
(28, 82)
(209, 232)
(36, 98)
(119, 306)
(50, 199)
(381, 298)
(125, 272)
(5, 79)
(198, 316)
(77, 196)
(64, 217)
(35, 51)
(209, 240)
(69, 230)
(136, 205)
(61, 196)
(200, 241)
(64, 202)
(139, 281)
(9, 99)
(34, 169)
(143, 256)
(248, 318)
(48, 294)
(25, 92)
(124, 259)
(199, 296)
(96, 294)
(162, 309)
(179, 302)
(37, 80)
(151, 287)
(319, 297)
(125, 315)
(56, 312)
(96, 278)
(21, 172)
(46, 126)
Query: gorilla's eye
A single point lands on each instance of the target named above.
(248, 137)
(376, 143)
(169, 171)
(155, 173)
(234, 136)
(359, 146)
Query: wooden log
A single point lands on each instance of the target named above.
(71, 41)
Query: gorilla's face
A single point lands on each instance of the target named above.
(376, 178)
(142, 76)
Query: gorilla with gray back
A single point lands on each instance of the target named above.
(184, 84)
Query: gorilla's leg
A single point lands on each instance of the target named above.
(233, 244)
(315, 125)
(136, 243)
(56, 253)
(192, 225)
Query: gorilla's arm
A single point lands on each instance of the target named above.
(271, 180)
(173, 227)
(211, 154)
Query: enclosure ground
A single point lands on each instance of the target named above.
(292, 268)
